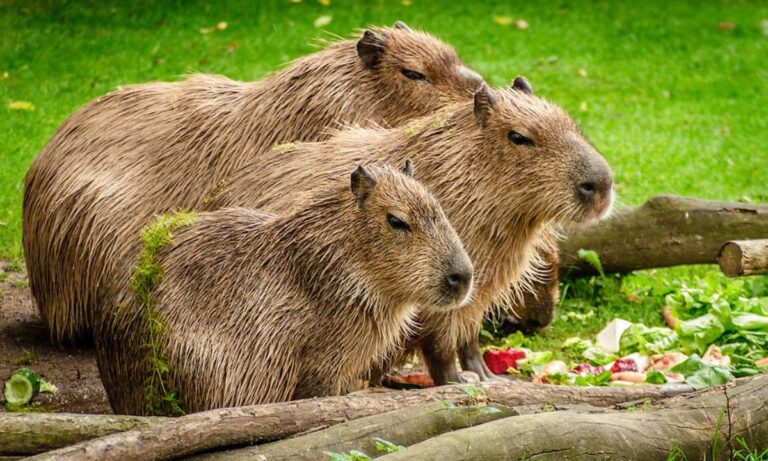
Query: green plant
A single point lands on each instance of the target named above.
(147, 274)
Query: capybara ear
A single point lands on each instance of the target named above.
(484, 104)
(362, 184)
(522, 84)
(408, 168)
(402, 26)
(370, 48)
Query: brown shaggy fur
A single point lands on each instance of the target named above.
(150, 148)
(262, 309)
(500, 196)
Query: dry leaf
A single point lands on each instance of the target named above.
(21, 105)
(503, 20)
(583, 72)
(6, 76)
(295, 1)
(232, 47)
(726, 26)
(521, 24)
(221, 26)
(324, 2)
(583, 107)
(323, 20)
(406, 2)
(206, 30)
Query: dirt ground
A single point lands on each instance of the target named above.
(24, 342)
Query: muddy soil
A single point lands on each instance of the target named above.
(24, 342)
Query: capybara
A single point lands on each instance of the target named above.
(150, 148)
(258, 308)
(505, 167)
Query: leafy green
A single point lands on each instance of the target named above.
(647, 340)
(655, 377)
(385, 446)
(697, 334)
(592, 258)
(593, 380)
(700, 374)
(353, 455)
(598, 356)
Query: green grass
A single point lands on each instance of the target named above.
(675, 103)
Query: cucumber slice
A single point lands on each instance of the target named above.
(22, 387)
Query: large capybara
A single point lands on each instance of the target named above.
(150, 148)
(256, 308)
(505, 168)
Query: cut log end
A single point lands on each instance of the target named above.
(744, 257)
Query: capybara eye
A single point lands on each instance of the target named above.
(397, 223)
(520, 140)
(413, 75)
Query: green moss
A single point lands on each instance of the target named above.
(147, 274)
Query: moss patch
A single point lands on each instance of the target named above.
(160, 399)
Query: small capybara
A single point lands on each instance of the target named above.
(257, 308)
(504, 167)
(150, 148)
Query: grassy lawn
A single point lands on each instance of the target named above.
(673, 93)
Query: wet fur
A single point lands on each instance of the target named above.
(150, 148)
(258, 308)
(501, 199)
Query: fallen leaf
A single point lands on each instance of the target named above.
(232, 47)
(583, 107)
(295, 1)
(503, 20)
(324, 2)
(726, 26)
(21, 105)
(206, 30)
(521, 24)
(406, 2)
(221, 26)
(633, 298)
(583, 72)
(159, 61)
(6, 76)
(323, 20)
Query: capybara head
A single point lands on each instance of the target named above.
(409, 251)
(551, 169)
(416, 69)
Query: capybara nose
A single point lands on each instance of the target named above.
(588, 190)
(459, 282)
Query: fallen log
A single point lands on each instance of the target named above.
(31, 433)
(213, 429)
(704, 425)
(665, 231)
(744, 257)
(403, 427)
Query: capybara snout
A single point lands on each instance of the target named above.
(459, 278)
(593, 185)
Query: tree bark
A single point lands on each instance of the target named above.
(704, 425)
(665, 231)
(208, 430)
(404, 427)
(30, 433)
(744, 257)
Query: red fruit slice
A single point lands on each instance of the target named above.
(499, 361)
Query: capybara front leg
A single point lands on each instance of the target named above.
(441, 364)
(469, 356)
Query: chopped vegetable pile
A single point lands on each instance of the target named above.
(716, 332)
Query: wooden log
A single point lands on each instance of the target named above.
(704, 425)
(744, 257)
(403, 427)
(30, 433)
(665, 231)
(213, 429)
